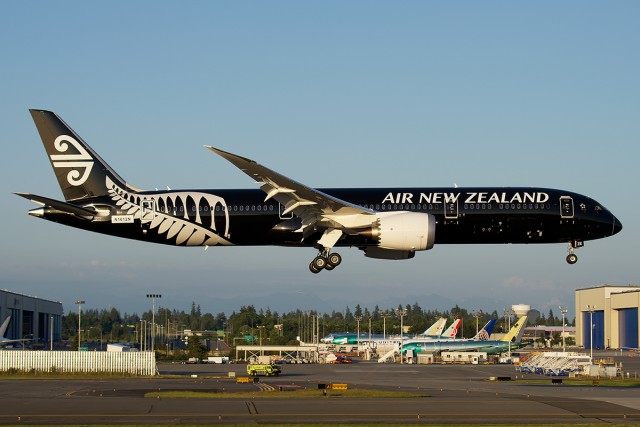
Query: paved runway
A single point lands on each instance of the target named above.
(455, 394)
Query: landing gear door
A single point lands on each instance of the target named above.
(147, 212)
(566, 207)
(451, 210)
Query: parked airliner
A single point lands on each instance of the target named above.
(434, 331)
(385, 223)
(478, 343)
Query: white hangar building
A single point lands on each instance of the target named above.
(31, 317)
(613, 312)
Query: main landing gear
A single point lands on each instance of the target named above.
(572, 258)
(326, 261)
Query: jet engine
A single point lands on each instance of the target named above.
(400, 234)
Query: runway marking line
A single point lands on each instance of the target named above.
(24, 417)
(251, 407)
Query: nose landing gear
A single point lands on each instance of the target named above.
(572, 258)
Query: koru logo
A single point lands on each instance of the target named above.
(81, 161)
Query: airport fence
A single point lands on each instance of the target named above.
(131, 363)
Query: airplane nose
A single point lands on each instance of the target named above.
(617, 226)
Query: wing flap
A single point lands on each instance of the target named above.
(272, 190)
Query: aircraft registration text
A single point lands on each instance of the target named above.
(122, 219)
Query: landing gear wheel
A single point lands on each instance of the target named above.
(313, 268)
(334, 259)
(572, 258)
(325, 261)
(319, 262)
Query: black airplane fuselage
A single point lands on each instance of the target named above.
(463, 215)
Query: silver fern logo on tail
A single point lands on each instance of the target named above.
(76, 162)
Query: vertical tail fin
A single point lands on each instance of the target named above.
(5, 325)
(80, 171)
(452, 330)
(437, 327)
(486, 331)
(515, 334)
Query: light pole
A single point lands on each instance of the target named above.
(260, 328)
(358, 319)
(100, 327)
(476, 314)
(153, 317)
(51, 333)
(401, 313)
(384, 325)
(141, 335)
(591, 308)
(79, 303)
(563, 310)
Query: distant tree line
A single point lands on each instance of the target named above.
(248, 325)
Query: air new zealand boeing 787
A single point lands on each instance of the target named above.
(386, 223)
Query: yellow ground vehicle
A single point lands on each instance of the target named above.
(266, 369)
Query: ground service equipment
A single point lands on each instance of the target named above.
(267, 370)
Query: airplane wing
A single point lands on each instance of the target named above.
(315, 208)
(6, 341)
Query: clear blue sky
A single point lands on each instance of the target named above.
(357, 94)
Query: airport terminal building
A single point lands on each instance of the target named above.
(31, 317)
(613, 312)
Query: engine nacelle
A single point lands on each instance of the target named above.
(405, 231)
(379, 253)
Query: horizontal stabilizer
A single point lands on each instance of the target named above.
(58, 205)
